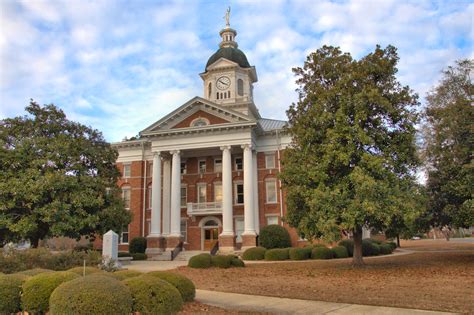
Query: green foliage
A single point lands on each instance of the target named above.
(321, 253)
(54, 179)
(185, 286)
(221, 261)
(353, 144)
(274, 236)
(236, 262)
(393, 245)
(34, 272)
(137, 245)
(10, 292)
(37, 290)
(124, 274)
(349, 245)
(386, 249)
(94, 294)
(300, 253)
(277, 254)
(152, 295)
(448, 135)
(124, 254)
(80, 270)
(370, 248)
(139, 256)
(339, 252)
(200, 261)
(254, 253)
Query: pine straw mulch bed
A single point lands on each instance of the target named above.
(442, 281)
(199, 308)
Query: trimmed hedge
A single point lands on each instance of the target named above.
(339, 252)
(370, 248)
(80, 270)
(321, 253)
(254, 253)
(35, 271)
(373, 240)
(200, 261)
(124, 274)
(94, 294)
(349, 245)
(300, 253)
(139, 256)
(124, 254)
(10, 292)
(386, 249)
(137, 245)
(152, 295)
(37, 290)
(185, 286)
(221, 261)
(236, 262)
(277, 254)
(392, 244)
(274, 236)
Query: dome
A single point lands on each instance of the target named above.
(230, 53)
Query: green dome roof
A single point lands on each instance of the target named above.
(233, 54)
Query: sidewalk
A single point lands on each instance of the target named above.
(275, 305)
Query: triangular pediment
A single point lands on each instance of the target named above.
(197, 108)
(222, 63)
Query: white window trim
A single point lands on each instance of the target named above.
(235, 193)
(272, 216)
(271, 181)
(186, 221)
(235, 163)
(214, 185)
(197, 191)
(129, 165)
(185, 170)
(121, 236)
(215, 169)
(130, 197)
(186, 196)
(272, 155)
(199, 118)
(199, 166)
(240, 217)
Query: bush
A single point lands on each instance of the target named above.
(10, 292)
(236, 262)
(317, 245)
(37, 290)
(370, 248)
(200, 261)
(221, 261)
(139, 256)
(386, 249)
(137, 245)
(300, 253)
(94, 294)
(393, 245)
(124, 254)
(321, 253)
(124, 274)
(339, 252)
(254, 253)
(152, 295)
(80, 270)
(34, 272)
(277, 254)
(185, 286)
(83, 248)
(349, 245)
(274, 236)
(375, 241)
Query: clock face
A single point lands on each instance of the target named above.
(223, 83)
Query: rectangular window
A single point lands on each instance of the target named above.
(149, 197)
(201, 192)
(239, 194)
(272, 219)
(218, 165)
(124, 236)
(183, 168)
(183, 228)
(271, 191)
(217, 192)
(150, 170)
(239, 164)
(126, 197)
(270, 161)
(202, 166)
(239, 229)
(184, 196)
(126, 170)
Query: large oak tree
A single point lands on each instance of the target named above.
(57, 178)
(353, 156)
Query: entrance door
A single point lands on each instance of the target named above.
(211, 237)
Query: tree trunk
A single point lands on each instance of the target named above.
(34, 242)
(357, 257)
(398, 240)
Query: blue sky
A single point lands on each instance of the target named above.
(121, 65)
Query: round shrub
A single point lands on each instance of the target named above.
(254, 253)
(221, 261)
(93, 294)
(386, 249)
(370, 248)
(124, 254)
(10, 292)
(80, 270)
(37, 290)
(349, 245)
(236, 262)
(321, 253)
(274, 236)
(393, 245)
(277, 254)
(317, 245)
(139, 256)
(200, 261)
(124, 274)
(35, 271)
(339, 252)
(137, 245)
(373, 240)
(299, 253)
(185, 286)
(152, 295)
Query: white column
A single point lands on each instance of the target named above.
(227, 213)
(255, 192)
(249, 216)
(166, 196)
(176, 194)
(156, 196)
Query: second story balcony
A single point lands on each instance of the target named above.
(204, 208)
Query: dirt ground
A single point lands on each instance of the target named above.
(438, 276)
(199, 308)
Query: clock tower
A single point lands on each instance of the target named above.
(229, 78)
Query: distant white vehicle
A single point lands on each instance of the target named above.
(416, 238)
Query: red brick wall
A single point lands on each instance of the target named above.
(213, 120)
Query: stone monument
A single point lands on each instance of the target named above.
(110, 246)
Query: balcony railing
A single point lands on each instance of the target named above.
(204, 208)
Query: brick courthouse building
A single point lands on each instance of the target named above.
(206, 172)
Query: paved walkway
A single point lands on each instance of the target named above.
(275, 305)
(150, 265)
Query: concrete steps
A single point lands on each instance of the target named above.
(186, 255)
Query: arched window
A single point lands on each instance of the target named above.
(217, 95)
(209, 89)
(211, 223)
(240, 87)
(199, 122)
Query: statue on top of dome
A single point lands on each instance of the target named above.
(227, 17)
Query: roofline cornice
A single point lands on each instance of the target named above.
(196, 130)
